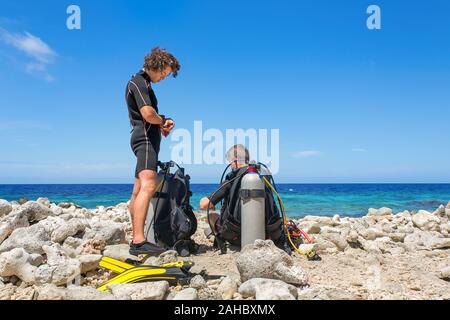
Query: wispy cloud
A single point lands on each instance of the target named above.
(359, 150)
(22, 125)
(39, 53)
(306, 154)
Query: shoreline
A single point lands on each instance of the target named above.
(382, 255)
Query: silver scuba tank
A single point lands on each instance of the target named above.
(252, 208)
(159, 202)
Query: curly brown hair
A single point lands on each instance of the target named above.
(159, 59)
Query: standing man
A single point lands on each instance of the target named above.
(148, 125)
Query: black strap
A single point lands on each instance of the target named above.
(252, 193)
(163, 195)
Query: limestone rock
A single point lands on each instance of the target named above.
(89, 262)
(119, 252)
(141, 291)
(109, 232)
(310, 227)
(87, 293)
(425, 220)
(5, 208)
(32, 239)
(197, 282)
(27, 293)
(337, 240)
(264, 260)
(380, 212)
(69, 229)
(60, 269)
(36, 211)
(268, 289)
(7, 291)
(51, 292)
(43, 201)
(186, 294)
(397, 237)
(17, 263)
(445, 273)
(427, 240)
(167, 257)
(227, 288)
(91, 246)
(13, 221)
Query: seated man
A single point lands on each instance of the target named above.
(227, 225)
(238, 157)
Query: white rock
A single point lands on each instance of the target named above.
(68, 229)
(119, 252)
(72, 242)
(380, 212)
(427, 240)
(310, 227)
(445, 272)
(89, 262)
(227, 288)
(371, 246)
(268, 289)
(13, 221)
(168, 256)
(336, 239)
(186, 294)
(322, 244)
(36, 259)
(17, 263)
(36, 211)
(425, 220)
(397, 236)
(439, 211)
(56, 209)
(32, 239)
(371, 233)
(24, 293)
(87, 293)
(43, 201)
(51, 292)
(7, 291)
(5, 208)
(60, 269)
(197, 282)
(323, 221)
(109, 232)
(264, 260)
(141, 291)
(328, 229)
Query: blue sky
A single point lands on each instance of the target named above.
(352, 104)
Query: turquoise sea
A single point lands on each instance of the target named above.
(299, 199)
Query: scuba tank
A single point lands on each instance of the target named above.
(252, 207)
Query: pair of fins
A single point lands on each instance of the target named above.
(175, 272)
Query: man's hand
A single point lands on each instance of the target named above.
(165, 128)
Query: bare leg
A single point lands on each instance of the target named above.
(148, 183)
(136, 188)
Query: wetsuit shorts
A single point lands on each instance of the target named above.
(145, 148)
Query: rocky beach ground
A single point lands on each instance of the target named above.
(52, 251)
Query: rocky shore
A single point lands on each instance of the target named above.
(52, 251)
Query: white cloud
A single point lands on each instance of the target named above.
(306, 154)
(39, 53)
(359, 150)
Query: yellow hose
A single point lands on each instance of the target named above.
(309, 253)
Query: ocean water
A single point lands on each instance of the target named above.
(299, 199)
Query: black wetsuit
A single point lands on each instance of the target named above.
(146, 137)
